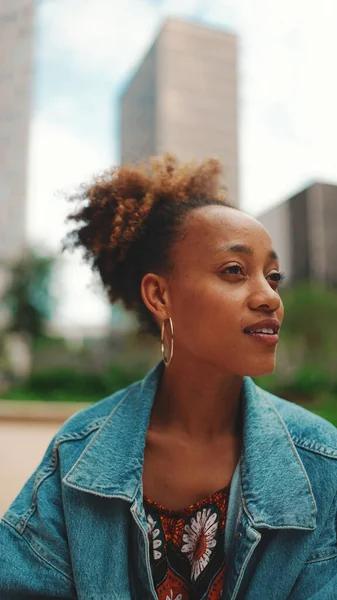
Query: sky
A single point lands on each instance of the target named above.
(86, 51)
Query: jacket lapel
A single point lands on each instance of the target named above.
(112, 463)
(270, 488)
(275, 486)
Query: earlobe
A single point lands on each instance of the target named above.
(154, 294)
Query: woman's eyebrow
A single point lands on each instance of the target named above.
(244, 249)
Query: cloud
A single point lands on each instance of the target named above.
(99, 35)
(59, 162)
(109, 37)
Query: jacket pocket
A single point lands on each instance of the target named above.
(326, 544)
(322, 554)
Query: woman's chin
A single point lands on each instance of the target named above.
(260, 370)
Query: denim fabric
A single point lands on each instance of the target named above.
(78, 530)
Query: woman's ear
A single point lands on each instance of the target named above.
(154, 291)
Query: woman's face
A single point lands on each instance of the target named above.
(224, 286)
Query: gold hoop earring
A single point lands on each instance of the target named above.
(166, 361)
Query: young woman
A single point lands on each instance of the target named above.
(193, 483)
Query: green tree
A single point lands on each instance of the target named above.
(311, 315)
(28, 293)
(307, 352)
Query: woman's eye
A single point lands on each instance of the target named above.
(277, 277)
(233, 270)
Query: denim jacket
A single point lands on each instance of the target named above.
(78, 529)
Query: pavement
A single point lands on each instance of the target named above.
(26, 428)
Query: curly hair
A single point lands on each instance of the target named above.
(129, 218)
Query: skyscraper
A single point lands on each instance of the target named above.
(16, 65)
(183, 99)
(303, 229)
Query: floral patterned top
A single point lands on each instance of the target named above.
(187, 548)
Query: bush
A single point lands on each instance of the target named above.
(311, 380)
(45, 383)
(119, 376)
(69, 385)
(311, 315)
(308, 382)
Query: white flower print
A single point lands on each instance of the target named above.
(154, 534)
(170, 597)
(199, 540)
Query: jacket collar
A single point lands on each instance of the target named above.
(275, 487)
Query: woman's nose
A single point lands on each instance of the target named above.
(263, 296)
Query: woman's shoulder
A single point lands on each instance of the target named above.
(307, 429)
(93, 416)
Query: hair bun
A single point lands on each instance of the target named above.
(112, 210)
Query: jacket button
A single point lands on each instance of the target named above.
(238, 535)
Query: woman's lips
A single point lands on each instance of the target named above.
(265, 338)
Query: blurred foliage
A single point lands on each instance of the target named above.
(27, 295)
(306, 382)
(307, 352)
(311, 316)
(72, 386)
(326, 407)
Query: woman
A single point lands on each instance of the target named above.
(193, 483)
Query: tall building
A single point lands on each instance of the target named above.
(304, 231)
(16, 66)
(183, 99)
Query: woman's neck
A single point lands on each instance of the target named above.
(198, 401)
